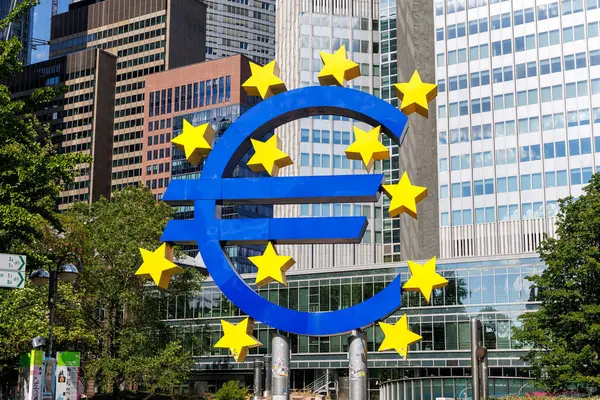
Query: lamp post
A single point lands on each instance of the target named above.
(65, 272)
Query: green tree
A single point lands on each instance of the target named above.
(33, 172)
(124, 312)
(564, 332)
(232, 391)
(32, 175)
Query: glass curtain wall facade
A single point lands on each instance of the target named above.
(389, 76)
(317, 144)
(324, 138)
(244, 27)
(494, 290)
(518, 114)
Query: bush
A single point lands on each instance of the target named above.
(232, 391)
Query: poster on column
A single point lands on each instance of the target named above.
(23, 383)
(36, 375)
(49, 374)
(67, 375)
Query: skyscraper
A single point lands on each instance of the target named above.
(23, 28)
(304, 29)
(80, 120)
(244, 27)
(517, 115)
(147, 36)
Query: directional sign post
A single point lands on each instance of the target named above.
(12, 270)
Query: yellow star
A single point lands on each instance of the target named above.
(267, 156)
(264, 81)
(367, 147)
(271, 266)
(238, 338)
(404, 197)
(424, 279)
(158, 265)
(337, 68)
(398, 337)
(415, 95)
(195, 141)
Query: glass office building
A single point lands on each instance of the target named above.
(517, 118)
(317, 144)
(495, 290)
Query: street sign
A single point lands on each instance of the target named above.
(15, 280)
(12, 262)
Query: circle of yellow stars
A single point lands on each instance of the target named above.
(265, 81)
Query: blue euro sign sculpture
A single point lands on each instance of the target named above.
(215, 187)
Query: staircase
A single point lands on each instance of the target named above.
(322, 385)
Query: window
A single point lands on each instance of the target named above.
(304, 159)
(440, 34)
(304, 135)
(443, 191)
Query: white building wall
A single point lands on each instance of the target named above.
(518, 118)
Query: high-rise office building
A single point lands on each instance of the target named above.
(317, 144)
(147, 36)
(244, 27)
(80, 120)
(23, 28)
(517, 115)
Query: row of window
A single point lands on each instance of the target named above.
(132, 173)
(127, 161)
(141, 60)
(324, 43)
(509, 184)
(66, 137)
(507, 128)
(157, 183)
(190, 96)
(339, 210)
(74, 198)
(528, 97)
(323, 136)
(131, 86)
(141, 48)
(140, 73)
(527, 15)
(526, 153)
(158, 168)
(523, 70)
(127, 149)
(324, 161)
(129, 99)
(129, 124)
(159, 124)
(159, 139)
(158, 154)
(510, 212)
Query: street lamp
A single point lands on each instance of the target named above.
(64, 272)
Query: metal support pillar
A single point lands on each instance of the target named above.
(268, 374)
(258, 367)
(357, 356)
(475, 328)
(485, 384)
(280, 367)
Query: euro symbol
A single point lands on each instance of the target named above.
(216, 187)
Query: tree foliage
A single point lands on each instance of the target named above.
(232, 391)
(125, 315)
(565, 332)
(31, 177)
(33, 172)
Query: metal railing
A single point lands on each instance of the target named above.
(458, 387)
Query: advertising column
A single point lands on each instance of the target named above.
(67, 375)
(36, 372)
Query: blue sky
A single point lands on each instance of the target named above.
(41, 26)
